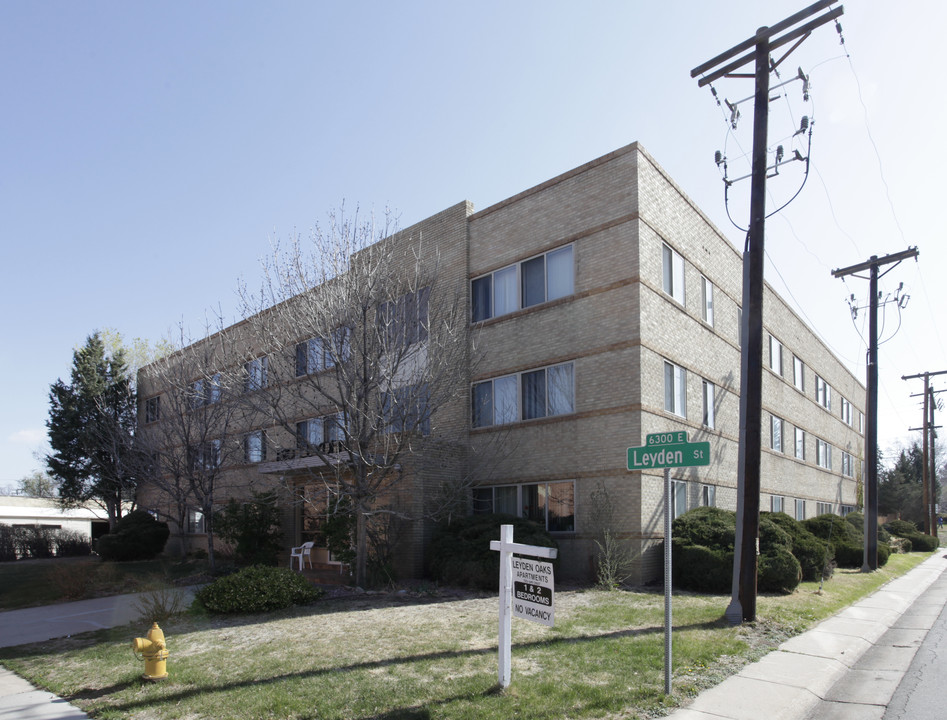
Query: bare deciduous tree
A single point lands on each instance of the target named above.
(192, 429)
(368, 353)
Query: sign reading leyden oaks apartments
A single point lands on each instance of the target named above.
(533, 590)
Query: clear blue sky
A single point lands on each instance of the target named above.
(150, 152)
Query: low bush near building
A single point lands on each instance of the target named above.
(814, 556)
(461, 554)
(137, 536)
(916, 540)
(259, 588)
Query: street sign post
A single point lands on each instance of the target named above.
(665, 451)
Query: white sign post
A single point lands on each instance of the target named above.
(506, 548)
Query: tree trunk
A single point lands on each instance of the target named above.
(361, 545)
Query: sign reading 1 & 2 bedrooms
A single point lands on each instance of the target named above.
(668, 450)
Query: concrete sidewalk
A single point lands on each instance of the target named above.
(19, 699)
(845, 668)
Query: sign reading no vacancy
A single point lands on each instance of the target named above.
(533, 590)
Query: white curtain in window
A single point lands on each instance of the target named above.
(505, 291)
(504, 400)
(560, 274)
(560, 393)
(505, 500)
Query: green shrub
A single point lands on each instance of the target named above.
(707, 526)
(258, 588)
(779, 571)
(813, 555)
(700, 568)
(460, 550)
(252, 527)
(137, 536)
(901, 528)
(923, 543)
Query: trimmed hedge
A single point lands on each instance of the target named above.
(460, 549)
(258, 588)
(814, 556)
(917, 541)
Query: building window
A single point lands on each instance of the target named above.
(798, 374)
(255, 374)
(800, 510)
(678, 498)
(709, 393)
(739, 326)
(254, 447)
(404, 321)
(310, 357)
(708, 495)
(205, 391)
(847, 510)
(861, 422)
(322, 434)
(846, 411)
(675, 389)
(776, 433)
(800, 438)
(775, 355)
(777, 503)
(525, 396)
(205, 456)
(706, 301)
(848, 465)
(407, 409)
(823, 393)
(823, 508)
(823, 454)
(534, 281)
(152, 409)
(550, 504)
(673, 265)
(195, 521)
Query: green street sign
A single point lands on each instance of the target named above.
(669, 456)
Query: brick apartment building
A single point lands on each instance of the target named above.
(607, 307)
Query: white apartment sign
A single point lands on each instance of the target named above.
(532, 583)
(533, 590)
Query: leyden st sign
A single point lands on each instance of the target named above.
(668, 450)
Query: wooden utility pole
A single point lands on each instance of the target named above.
(743, 602)
(870, 561)
(928, 474)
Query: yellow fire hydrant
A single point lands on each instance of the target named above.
(154, 652)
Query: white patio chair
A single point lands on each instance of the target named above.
(303, 552)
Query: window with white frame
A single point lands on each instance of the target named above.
(205, 456)
(255, 374)
(847, 510)
(678, 498)
(823, 393)
(777, 503)
(673, 267)
(408, 409)
(823, 508)
(800, 443)
(775, 355)
(153, 409)
(709, 393)
(798, 374)
(404, 321)
(823, 454)
(254, 447)
(549, 276)
(708, 495)
(195, 521)
(205, 391)
(545, 392)
(800, 509)
(776, 433)
(861, 422)
(675, 389)
(550, 504)
(321, 433)
(848, 465)
(846, 411)
(706, 301)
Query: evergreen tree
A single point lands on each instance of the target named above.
(92, 431)
(901, 489)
